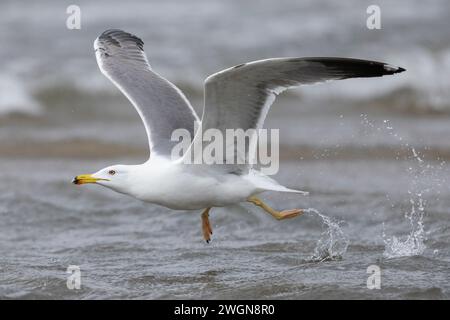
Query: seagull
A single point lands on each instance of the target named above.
(235, 98)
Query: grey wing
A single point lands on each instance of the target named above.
(162, 106)
(240, 97)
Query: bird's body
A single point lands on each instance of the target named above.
(235, 98)
(180, 186)
(187, 187)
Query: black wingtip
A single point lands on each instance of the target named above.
(354, 68)
(114, 36)
(399, 70)
(391, 69)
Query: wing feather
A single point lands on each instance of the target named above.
(240, 97)
(160, 104)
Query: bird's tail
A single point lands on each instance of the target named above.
(281, 188)
(265, 183)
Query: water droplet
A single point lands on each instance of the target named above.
(333, 242)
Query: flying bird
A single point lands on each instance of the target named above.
(235, 98)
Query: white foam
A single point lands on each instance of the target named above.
(411, 244)
(15, 98)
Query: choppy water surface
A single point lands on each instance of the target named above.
(373, 154)
(128, 249)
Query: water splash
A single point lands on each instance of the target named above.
(419, 171)
(332, 243)
(412, 244)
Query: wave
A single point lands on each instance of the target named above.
(69, 100)
(184, 54)
(16, 98)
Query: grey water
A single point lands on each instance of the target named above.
(128, 249)
(373, 154)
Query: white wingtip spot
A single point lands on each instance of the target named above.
(390, 68)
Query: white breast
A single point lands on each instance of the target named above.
(186, 187)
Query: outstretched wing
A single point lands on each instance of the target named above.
(161, 105)
(240, 97)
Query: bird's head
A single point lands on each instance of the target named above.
(116, 177)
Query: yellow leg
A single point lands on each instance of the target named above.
(279, 215)
(206, 226)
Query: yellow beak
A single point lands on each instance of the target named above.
(86, 178)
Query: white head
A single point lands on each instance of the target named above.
(116, 177)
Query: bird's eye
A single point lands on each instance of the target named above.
(112, 172)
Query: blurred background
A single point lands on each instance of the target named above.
(52, 92)
(372, 152)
